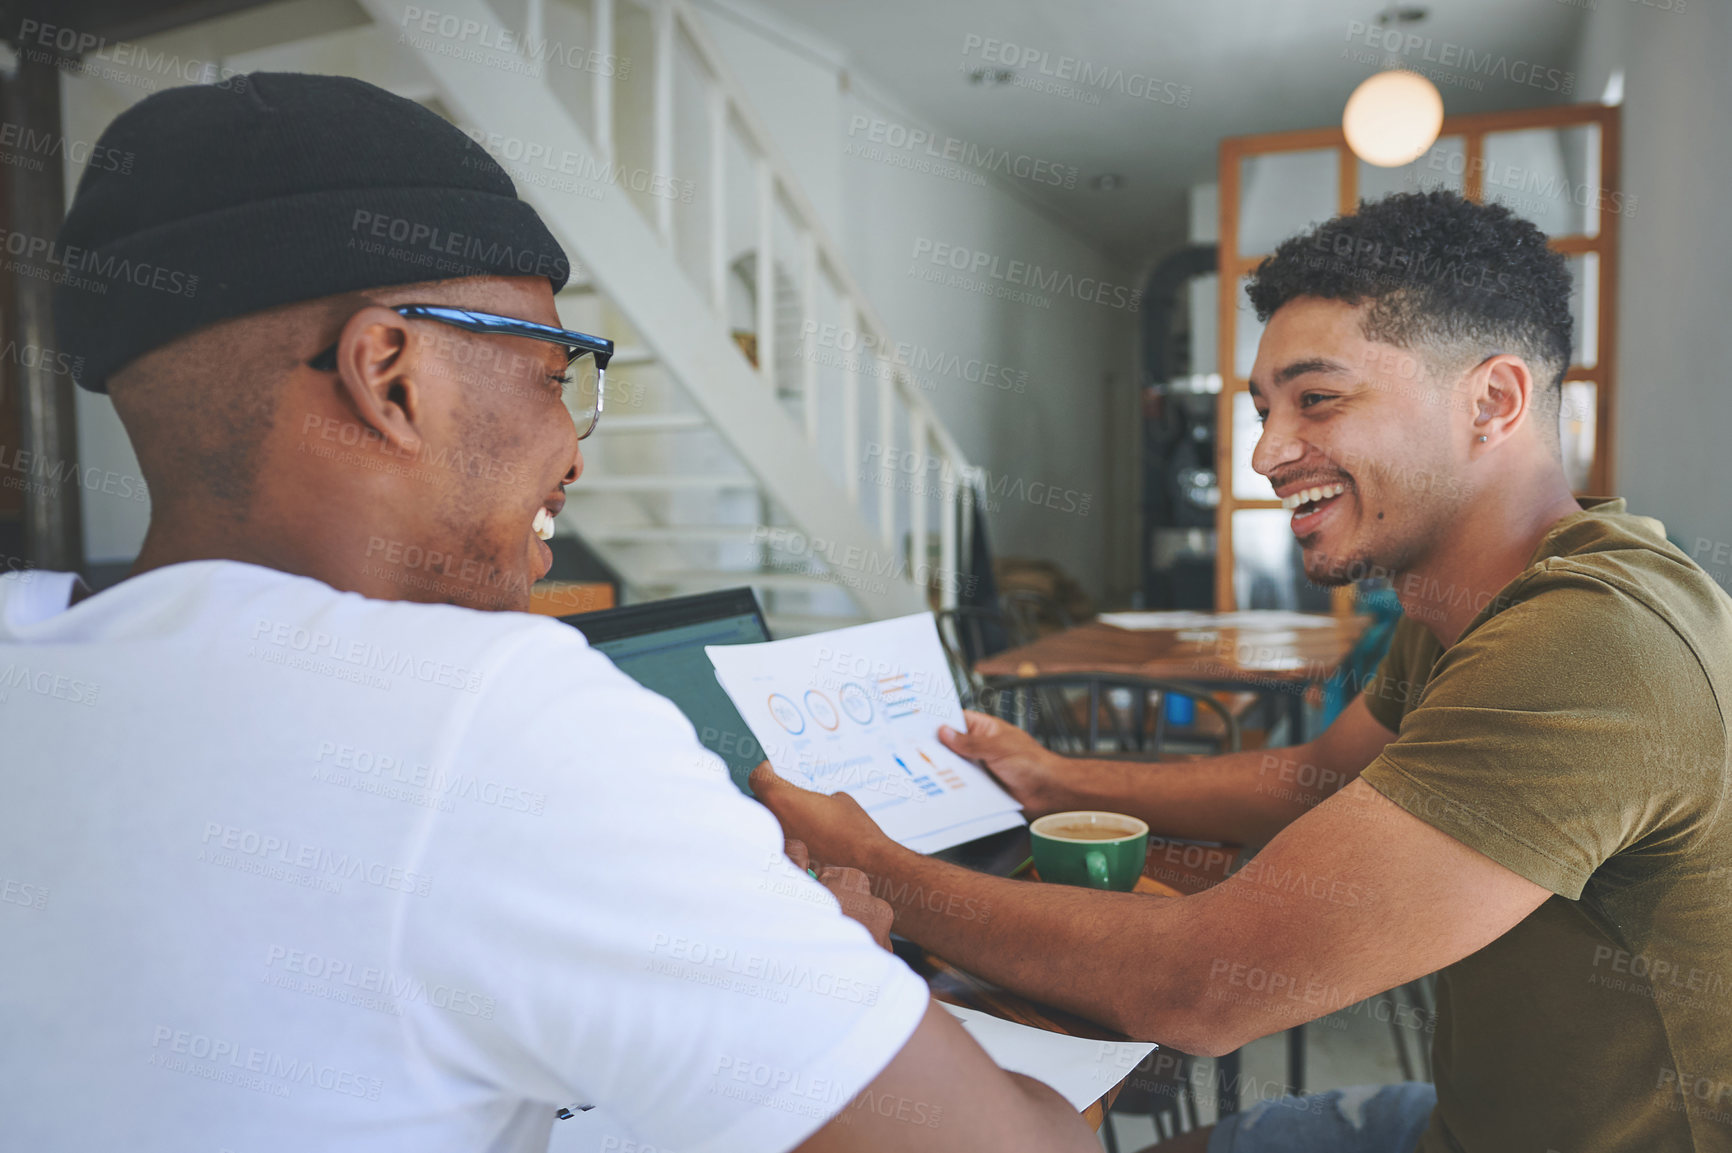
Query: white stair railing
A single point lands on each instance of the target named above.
(929, 480)
(820, 264)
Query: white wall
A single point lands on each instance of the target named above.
(1053, 434)
(1674, 403)
(1058, 435)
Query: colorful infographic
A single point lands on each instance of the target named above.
(857, 711)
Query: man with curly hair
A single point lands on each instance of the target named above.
(1526, 797)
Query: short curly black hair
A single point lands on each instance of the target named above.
(1438, 270)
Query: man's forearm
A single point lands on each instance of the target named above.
(1083, 950)
(1241, 798)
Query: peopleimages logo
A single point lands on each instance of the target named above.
(527, 49)
(532, 154)
(36, 356)
(54, 145)
(880, 359)
(83, 53)
(1457, 57)
(977, 264)
(428, 241)
(965, 152)
(1085, 75)
(75, 262)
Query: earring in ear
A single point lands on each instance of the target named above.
(1482, 440)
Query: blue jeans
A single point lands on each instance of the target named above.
(1363, 1119)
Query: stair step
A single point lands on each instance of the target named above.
(662, 482)
(672, 533)
(655, 422)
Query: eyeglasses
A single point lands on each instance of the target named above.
(586, 356)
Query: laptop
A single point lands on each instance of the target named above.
(660, 645)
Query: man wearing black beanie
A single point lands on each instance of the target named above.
(292, 863)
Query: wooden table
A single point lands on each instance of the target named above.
(563, 598)
(1172, 869)
(1233, 652)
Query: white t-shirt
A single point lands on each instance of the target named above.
(284, 868)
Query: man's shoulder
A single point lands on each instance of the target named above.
(305, 621)
(1630, 555)
(1602, 634)
(302, 603)
(1619, 588)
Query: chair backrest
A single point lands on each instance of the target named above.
(1031, 610)
(968, 633)
(1077, 712)
(1159, 1088)
(1339, 690)
(977, 631)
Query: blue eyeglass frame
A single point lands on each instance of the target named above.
(576, 344)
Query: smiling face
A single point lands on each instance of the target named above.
(501, 441)
(417, 466)
(428, 465)
(1361, 440)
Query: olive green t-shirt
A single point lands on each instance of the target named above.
(1576, 734)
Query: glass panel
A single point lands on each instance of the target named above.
(1443, 165)
(1551, 176)
(1247, 331)
(1205, 322)
(1247, 485)
(1267, 571)
(1585, 308)
(1576, 421)
(1283, 193)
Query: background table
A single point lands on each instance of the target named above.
(1278, 663)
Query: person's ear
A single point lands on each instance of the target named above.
(1505, 398)
(372, 372)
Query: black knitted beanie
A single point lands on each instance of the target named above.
(268, 189)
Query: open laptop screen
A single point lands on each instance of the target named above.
(661, 646)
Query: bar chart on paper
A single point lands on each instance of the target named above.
(857, 711)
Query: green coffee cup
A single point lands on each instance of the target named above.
(1093, 849)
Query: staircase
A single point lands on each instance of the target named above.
(750, 435)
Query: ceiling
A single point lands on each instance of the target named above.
(1250, 65)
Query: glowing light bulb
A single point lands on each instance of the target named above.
(1392, 118)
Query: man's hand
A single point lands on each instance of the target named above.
(853, 889)
(1028, 769)
(835, 829)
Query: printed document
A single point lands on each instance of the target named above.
(857, 710)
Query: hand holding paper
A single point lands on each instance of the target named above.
(857, 711)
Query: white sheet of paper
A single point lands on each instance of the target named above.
(1079, 1069)
(857, 710)
(1250, 620)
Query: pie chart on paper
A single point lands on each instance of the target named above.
(822, 710)
(787, 714)
(856, 702)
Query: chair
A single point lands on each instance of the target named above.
(1339, 690)
(1065, 712)
(1160, 1089)
(1034, 612)
(970, 632)
(1423, 997)
(979, 631)
(1072, 712)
